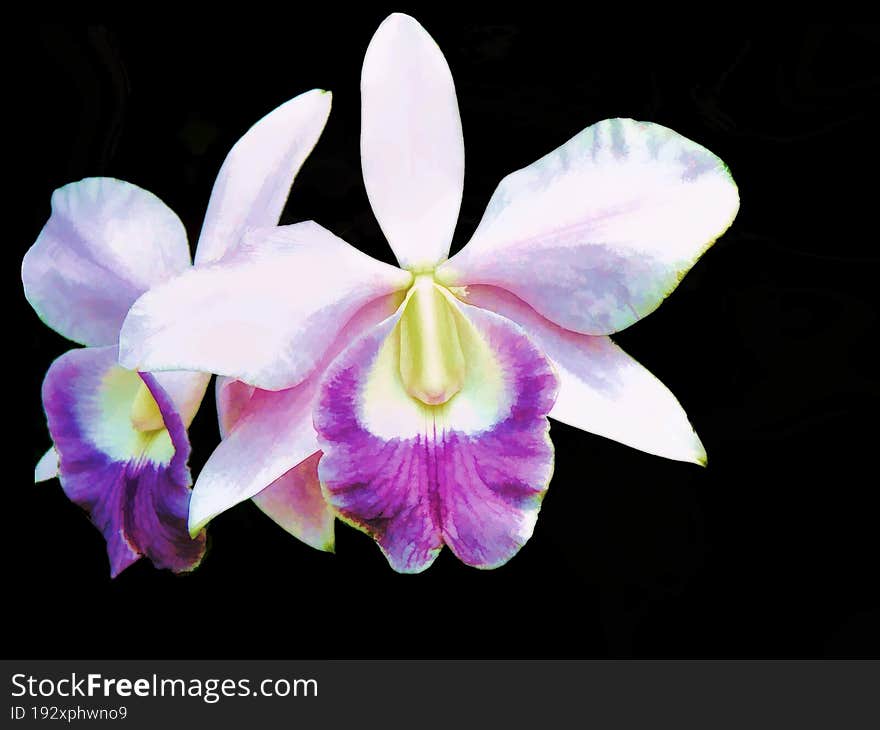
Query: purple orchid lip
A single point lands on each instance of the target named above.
(134, 485)
(473, 474)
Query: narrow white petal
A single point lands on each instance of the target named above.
(255, 179)
(412, 149)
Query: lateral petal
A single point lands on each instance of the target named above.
(596, 234)
(106, 242)
(266, 314)
(294, 500)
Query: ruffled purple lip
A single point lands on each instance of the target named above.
(140, 503)
(479, 493)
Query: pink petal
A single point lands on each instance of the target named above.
(294, 501)
(104, 245)
(232, 397)
(273, 435)
(412, 150)
(597, 233)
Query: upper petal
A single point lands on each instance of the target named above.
(597, 233)
(255, 179)
(469, 473)
(602, 389)
(412, 150)
(105, 243)
(134, 484)
(265, 314)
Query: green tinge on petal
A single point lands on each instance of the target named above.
(432, 363)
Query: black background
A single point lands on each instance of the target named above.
(769, 343)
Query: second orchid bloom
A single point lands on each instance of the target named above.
(120, 445)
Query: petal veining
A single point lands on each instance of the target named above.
(597, 233)
(469, 473)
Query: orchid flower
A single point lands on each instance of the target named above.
(120, 441)
(417, 397)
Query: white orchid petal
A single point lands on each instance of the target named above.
(597, 233)
(273, 435)
(265, 314)
(412, 149)
(186, 390)
(602, 389)
(255, 179)
(106, 242)
(47, 466)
